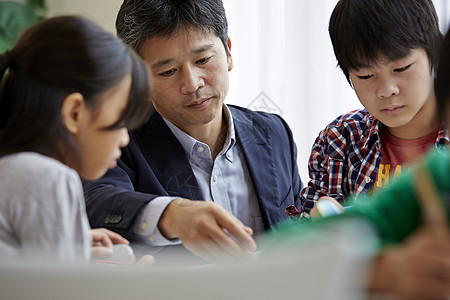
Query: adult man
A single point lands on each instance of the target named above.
(194, 146)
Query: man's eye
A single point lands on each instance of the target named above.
(204, 60)
(167, 73)
(365, 76)
(402, 69)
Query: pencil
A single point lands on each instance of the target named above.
(433, 211)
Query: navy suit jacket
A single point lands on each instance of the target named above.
(155, 164)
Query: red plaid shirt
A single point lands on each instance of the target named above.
(345, 158)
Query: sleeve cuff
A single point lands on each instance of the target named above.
(147, 223)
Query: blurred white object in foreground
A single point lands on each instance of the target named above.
(329, 265)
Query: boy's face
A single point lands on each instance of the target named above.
(398, 93)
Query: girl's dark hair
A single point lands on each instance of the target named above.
(52, 59)
(442, 82)
(362, 31)
(140, 20)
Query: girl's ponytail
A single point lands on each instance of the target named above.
(5, 63)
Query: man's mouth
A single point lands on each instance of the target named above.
(199, 104)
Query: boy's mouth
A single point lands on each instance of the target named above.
(392, 109)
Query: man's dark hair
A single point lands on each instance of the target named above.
(140, 20)
(362, 31)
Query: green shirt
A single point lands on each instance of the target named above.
(393, 212)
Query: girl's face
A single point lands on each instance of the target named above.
(100, 147)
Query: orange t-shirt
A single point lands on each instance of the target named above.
(397, 154)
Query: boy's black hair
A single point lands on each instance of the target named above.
(140, 20)
(442, 82)
(362, 31)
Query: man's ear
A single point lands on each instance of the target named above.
(230, 58)
(73, 111)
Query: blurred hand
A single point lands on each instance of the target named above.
(146, 261)
(333, 207)
(102, 247)
(418, 269)
(102, 242)
(208, 230)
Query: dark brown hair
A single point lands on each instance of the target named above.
(52, 59)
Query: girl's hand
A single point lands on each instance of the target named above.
(102, 242)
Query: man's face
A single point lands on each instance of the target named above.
(188, 77)
(396, 92)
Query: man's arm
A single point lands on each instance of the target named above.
(207, 230)
(201, 226)
(112, 203)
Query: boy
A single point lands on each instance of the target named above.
(387, 50)
(410, 219)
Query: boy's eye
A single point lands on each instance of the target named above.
(204, 60)
(167, 73)
(365, 76)
(402, 69)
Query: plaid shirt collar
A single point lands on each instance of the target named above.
(374, 134)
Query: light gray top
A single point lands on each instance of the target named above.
(42, 211)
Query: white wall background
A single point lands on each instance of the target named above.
(283, 59)
(103, 12)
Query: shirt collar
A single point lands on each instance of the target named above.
(373, 136)
(188, 142)
(231, 135)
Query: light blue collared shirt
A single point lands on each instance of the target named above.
(226, 181)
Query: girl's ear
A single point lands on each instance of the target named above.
(73, 112)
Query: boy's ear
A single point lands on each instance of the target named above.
(73, 111)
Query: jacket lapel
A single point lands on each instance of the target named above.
(255, 143)
(168, 160)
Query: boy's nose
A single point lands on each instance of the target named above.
(387, 88)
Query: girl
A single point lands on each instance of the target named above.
(70, 91)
